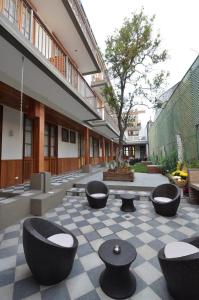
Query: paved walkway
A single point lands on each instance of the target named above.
(142, 181)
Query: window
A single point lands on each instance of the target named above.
(46, 140)
(129, 151)
(125, 151)
(65, 135)
(28, 127)
(80, 145)
(107, 149)
(10, 10)
(95, 147)
(26, 20)
(73, 137)
(50, 141)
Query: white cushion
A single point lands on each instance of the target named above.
(98, 195)
(163, 199)
(179, 249)
(62, 239)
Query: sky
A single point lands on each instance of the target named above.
(177, 21)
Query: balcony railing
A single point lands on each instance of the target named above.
(136, 139)
(30, 25)
(85, 26)
(110, 119)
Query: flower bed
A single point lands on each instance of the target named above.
(119, 174)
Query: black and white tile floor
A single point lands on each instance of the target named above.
(147, 231)
(55, 181)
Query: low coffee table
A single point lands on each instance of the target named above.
(127, 202)
(116, 280)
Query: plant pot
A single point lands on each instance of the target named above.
(120, 174)
(181, 183)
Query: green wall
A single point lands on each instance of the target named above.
(180, 116)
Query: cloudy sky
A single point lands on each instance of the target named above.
(176, 20)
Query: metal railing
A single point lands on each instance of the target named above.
(85, 26)
(110, 119)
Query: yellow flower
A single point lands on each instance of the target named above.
(183, 174)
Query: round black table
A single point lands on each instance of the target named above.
(127, 202)
(116, 280)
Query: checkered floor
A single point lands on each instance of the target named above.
(147, 231)
(55, 181)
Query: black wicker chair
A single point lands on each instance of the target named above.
(182, 273)
(165, 191)
(49, 262)
(97, 194)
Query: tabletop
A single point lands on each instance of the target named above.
(125, 257)
(127, 196)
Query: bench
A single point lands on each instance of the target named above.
(40, 204)
(15, 207)
(193, 184)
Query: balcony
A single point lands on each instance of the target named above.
(86, 29)
(67, 19)
(135, 126)
(108, 126)
(47, 47)
(136, 140)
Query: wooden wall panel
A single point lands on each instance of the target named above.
(50, 165)
(68, 164)
(53, 165)
(10, 169)
(47, 164)
(95, 160)
(27, 169)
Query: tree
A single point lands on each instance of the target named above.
(131, 54)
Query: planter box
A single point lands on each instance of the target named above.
(155, 169)
(119, 175)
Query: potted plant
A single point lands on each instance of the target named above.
(180, 175)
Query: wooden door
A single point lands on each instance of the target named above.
(50, 148)
(27, 149)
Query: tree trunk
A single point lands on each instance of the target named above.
(120, 150)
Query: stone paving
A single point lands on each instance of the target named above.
(144, 229)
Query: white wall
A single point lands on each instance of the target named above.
(66, 149)
(12, 138)
(137, 151)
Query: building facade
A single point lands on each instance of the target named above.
(51, 119)
(136, 142)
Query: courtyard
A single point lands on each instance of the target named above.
(144, 229)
